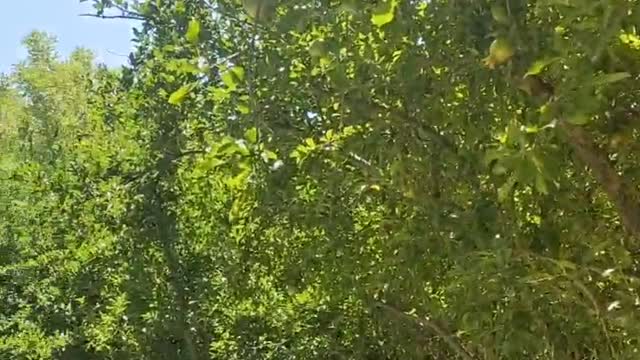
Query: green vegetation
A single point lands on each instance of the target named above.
(409, 179)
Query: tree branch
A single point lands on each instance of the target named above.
(425, 322)
(188, 153)
(623, 195)
(124, 14)
(128, 17)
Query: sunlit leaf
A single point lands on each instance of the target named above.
(193, 31)
(538, 66)
(232, 77)
(384, 12)
(251, 135)
(243, 108)
(238, 71)
(179, 95)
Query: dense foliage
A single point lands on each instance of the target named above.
(400, 179)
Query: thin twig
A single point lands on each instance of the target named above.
(189, 152)
(585, 291)
(116, 54)
(225, 59)
(128, 17)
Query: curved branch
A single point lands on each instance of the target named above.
(623, 195)
(425, 322)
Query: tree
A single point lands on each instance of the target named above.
(331, 179)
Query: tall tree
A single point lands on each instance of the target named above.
(332, 179)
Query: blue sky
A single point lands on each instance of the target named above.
(108, 39)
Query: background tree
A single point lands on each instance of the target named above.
(329, 179)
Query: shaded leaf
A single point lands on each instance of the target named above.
(579, 119)
(505, 190)
(610, 78)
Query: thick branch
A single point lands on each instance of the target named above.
(423, 322)
(623, 195)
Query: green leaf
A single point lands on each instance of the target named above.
(228, 147)
(541, 184)
(500, 14)
(349, 6)
(270, 155)
(384, 13)
(188, 68)
(329, 135)
(179, 95)
(193, 31)
(259, 9)
(243, 108)
(566, 264)
(505, 190)
(318, 49)
(220, 94)
(19, 203)
(537, 67)
(238, 71)
(525, 169)
(492, 155)
(230, 80)
(579, 119)
(514, 134)
(610, 78)
(251, 135)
